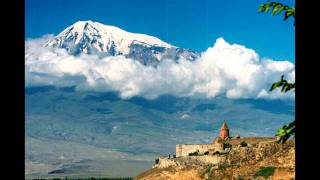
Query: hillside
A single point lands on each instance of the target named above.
(75, 131)
(259, 160)
(70, 130)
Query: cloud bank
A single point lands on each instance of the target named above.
(224, 69)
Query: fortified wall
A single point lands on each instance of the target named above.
(258, 148)
(217, 145)
(185, 149)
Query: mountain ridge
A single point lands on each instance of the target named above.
(104, 126)
(104, 40)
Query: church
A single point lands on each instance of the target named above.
(217, 145)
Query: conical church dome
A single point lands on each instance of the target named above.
(224, 131)
(224, 125)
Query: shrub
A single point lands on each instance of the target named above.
(227, 145)
(206, 153)
(223, 166)
(243, 144)
(156, 161)
(265, 172)
(216, 152)
(208, 168)
(194, 153)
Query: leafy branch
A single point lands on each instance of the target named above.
(277, 8)
(286, 131)
(284, 84)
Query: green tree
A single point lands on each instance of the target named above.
(277, 8)
(243, 144)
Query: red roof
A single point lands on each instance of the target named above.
(224, 125)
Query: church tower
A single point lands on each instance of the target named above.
(224, 131)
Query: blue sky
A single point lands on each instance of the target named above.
(194, 24)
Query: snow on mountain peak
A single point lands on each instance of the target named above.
(89, 37)
(95, 38)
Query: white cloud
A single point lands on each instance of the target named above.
(185, 116)
(232, 70)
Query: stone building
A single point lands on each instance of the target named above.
(224, 131)
(216, 145)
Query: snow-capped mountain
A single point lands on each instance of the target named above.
(95, 38)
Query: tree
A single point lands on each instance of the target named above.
(277, 8)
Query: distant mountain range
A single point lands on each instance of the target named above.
(91, 133)
(95, 38)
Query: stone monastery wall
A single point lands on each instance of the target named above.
(185, 149)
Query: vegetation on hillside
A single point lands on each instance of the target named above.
(227, 145)
(196, 153)
(243, 144)
(265, 172)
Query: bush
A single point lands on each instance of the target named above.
(265, 172)
(216, 152)
(243, 144)
(206, 153)
(156, 161)
(208, 168)
(227, 145)
(223, 166)
(194, 153)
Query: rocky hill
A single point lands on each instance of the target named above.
(259, 159)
